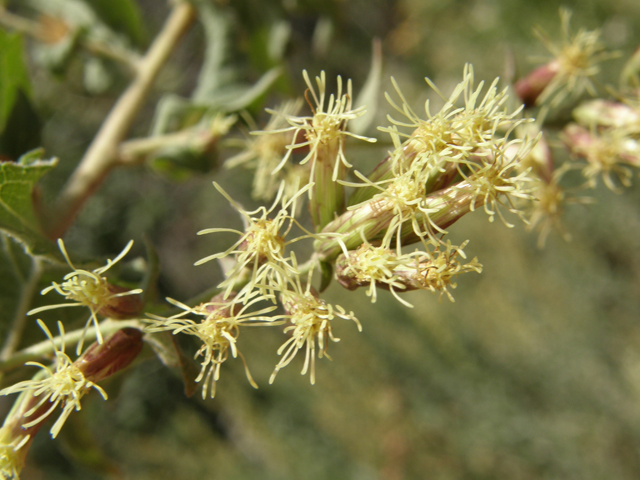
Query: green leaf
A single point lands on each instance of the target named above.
(122, 16)
(13, 74)
(17, 214)
(218, 87)
(217, 83)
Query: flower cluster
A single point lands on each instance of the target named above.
(323, 134)
(385, 231)
(261, 248)
(310, 323)
(449, 164)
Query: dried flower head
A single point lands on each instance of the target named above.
(92, 290)
(63, 384)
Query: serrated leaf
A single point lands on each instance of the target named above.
(17, 214)
(13, 74)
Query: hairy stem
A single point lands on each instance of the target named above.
(101, 156)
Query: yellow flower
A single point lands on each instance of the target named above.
(92, 290)
(64, 384)
(416, 197)
(218, 331)
(261, 249)
(607, 152)
(547, 208)
(401, 204)
(372, 266)
(382, 267)
(11, 459)
(496, 180)
(310, 319)
(576, 61)
(455, 132)
(328, 125)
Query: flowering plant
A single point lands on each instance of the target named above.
(384, 226)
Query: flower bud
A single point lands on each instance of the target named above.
(100, 361)
(123, 306)
(530, 87)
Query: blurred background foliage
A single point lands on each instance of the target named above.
(534, 371)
